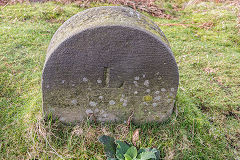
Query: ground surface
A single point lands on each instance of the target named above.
(206, 124)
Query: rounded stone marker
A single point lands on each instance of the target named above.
(107, 63)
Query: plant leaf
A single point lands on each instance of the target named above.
(122, 148)
(141, 150)
(132, 152)
(109, 145)
(156, 152)
(127, 157)
(147, 155)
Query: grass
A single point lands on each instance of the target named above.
(205, 126)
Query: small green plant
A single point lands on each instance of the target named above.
(119, 150)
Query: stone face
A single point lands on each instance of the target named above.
(109, 62)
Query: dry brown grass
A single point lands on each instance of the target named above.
(148, 6)
(238, 20)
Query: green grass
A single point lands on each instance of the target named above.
(205, 126)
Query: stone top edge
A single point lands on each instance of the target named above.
(134, 27)
(104, 14)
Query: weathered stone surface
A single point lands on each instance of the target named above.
(109, 62)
